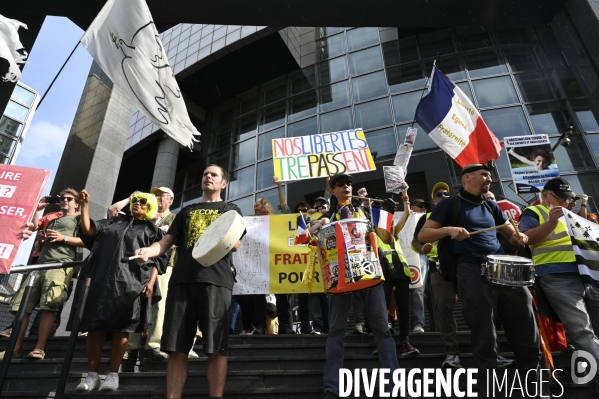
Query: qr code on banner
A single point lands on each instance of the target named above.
(5, 250)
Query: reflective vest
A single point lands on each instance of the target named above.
(557, 246)
(432, 255)
(388, 253)
(358, 214)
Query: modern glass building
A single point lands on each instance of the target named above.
(245, 86)
(15, 122)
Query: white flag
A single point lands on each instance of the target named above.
(11, 48)
(585, 242)
(125, 43)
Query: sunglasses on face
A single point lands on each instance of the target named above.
(302, 209)
(142, 201)
(441, 194)
(67, 199)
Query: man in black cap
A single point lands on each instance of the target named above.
(478, 295)
(343, 207)
(420, 206)
(574, 300)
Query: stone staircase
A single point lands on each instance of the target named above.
(265, 366)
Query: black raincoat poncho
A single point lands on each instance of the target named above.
(114, 303)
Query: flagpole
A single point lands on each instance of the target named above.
(58, 74)
(425, 87)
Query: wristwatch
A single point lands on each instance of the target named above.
(65, 239)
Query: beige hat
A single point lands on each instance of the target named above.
(164, 190)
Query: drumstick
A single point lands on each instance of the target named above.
(487, 229)
(515, 227)
(127, 259)
(365, 198)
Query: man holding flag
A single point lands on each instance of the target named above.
(574, 300)
(342, 207)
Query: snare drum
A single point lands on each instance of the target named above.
(513, 271)
(363, 270)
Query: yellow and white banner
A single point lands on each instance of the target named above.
(267, 262)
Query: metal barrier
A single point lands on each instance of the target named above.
(33, 270)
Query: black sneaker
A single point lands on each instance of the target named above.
(316, 331)
(259, 331)
(407, 350)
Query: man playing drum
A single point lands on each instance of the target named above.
(478, 295)
(342, 207)
(197, 293)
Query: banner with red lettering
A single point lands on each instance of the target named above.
(268, 262)
(320, 155)
(20, 191)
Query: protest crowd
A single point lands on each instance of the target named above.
(163, 285)
(165, 295)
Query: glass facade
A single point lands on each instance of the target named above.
(17, 114)
(517, 78)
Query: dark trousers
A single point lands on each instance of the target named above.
(514, 305)
(402, 303)
(303, 310)
(253, 310)
(283, 312)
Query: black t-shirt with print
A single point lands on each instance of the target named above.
(188, 226)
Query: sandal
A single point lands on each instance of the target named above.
(36, 354)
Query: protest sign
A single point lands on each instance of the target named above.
(531, 161)
(320, 155)
(20, 191)
(268, 262)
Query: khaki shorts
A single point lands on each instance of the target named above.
(49, 290)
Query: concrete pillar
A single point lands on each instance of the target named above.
(94, 149)
(166, 163)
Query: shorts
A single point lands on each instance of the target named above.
(49, 290)
(188, 305)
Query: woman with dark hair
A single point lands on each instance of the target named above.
(119, 297)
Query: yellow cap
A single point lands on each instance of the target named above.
(437, 187)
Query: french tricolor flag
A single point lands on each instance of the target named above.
(382, 219)
(454, 123)
(301, 237)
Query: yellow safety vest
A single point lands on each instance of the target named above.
(358, 214)
(557, 246)
(388, 253)
(432, 255)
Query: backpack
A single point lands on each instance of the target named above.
(448, 265)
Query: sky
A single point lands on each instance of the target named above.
(47, 135)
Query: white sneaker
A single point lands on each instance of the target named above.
(452, 361)
(417, 330)
(192, 354)
(111, 383)
(91, 382)
(247, 333)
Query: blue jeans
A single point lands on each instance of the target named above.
(417, 317)
(374, 301)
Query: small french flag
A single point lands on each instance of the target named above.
(301, 237)
(382, 219)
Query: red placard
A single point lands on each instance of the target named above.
(20, 192)
(510, 210)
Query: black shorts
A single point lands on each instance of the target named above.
(190, 304)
